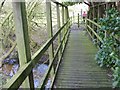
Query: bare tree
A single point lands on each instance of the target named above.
(2, 4)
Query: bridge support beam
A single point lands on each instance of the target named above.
(21, 25)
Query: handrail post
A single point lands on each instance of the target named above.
(98, 20)
(50, 32)
(66, 27)
(78, 20)
(23, 46)
(93, 26)
(63, 24)
(73, 17)
(91, 19)
(69, 22)
(106, 7)
(67, 13)
(68, 17)
(62, 15)
(58, 26)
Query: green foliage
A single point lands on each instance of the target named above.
(116, 75)
(110, 23)
(108, 54)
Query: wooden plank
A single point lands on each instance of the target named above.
(23, 46)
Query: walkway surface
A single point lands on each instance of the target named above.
(78, 68)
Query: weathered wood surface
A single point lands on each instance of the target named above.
(78, 68)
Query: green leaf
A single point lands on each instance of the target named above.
(103, 27)
(116, 28)
(115, 84)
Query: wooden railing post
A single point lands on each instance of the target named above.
(66, 27)
(67, 13)
(50, 32)
(78, 20)
(69, 22)
(23, 46)
(63, 18)
(91, 18)
(98, 11)
(62, 15)
(93, 26)
(98, 20)
(68, 16)
(58, 26)
(73, 17)
(87, 23)
(106, 7)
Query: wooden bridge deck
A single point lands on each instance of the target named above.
(78, 69)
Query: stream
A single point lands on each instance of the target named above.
(11, 66)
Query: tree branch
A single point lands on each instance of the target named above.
(8, 53)
(2, 4)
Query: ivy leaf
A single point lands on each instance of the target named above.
(108, 54)
(103, 28)
(115, 84)
(116, 28)
(111, 53)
